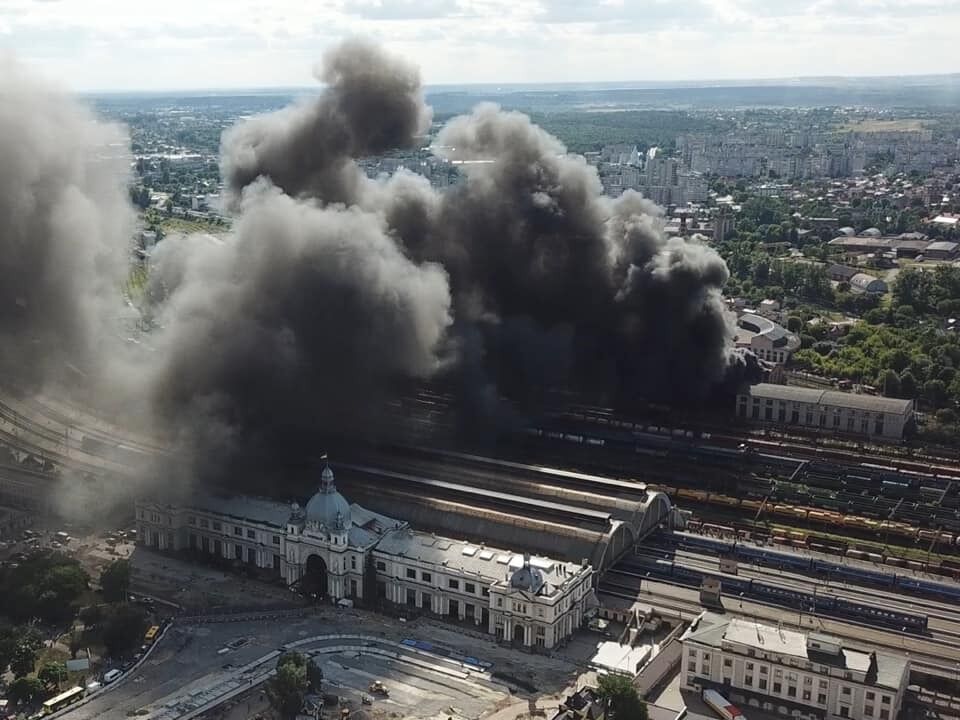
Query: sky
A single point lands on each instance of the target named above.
(91, 45)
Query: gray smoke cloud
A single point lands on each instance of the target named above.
(64, 230)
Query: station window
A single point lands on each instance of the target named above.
(426, 577)
(217, 526)
(276, 539)
(411, 573)
(237, 530)
(252, 534)
(453, 584)
(204, 523)
(470, 588)
(381, 566)
(191, 520)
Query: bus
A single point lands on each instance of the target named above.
(60, 701)
(151, 634)
(721, 706)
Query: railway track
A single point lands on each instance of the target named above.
(949, 624)
(937, 657)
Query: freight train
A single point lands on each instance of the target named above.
(807, 564)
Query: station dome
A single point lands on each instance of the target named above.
(328, 507)
(527, 577)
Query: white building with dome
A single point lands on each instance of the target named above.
(336, 550)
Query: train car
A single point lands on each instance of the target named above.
(881, 616)
(774, 558)
(939, 590)
(700, 542)
(874, 577)
(780, 596)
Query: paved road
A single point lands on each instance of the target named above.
(189, 661)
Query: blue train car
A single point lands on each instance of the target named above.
(699, 542)
(881, 616)
(940, 590)
(774, 558)
(874, 577)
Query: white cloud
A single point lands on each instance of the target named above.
(106, 44)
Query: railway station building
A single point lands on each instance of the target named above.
(825, 410)
(338, 550)
(794, 674)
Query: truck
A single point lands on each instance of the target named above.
(721, 706)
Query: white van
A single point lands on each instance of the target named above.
(111, 675)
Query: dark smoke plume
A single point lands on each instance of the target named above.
(305, 317)
(64, 231)
(530, 235)
(373, 102)
(336, 292)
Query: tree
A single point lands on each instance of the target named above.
(889, 383)
(794, 324)
(115, 581)
(315, 674)
(25, 690)
(52, 674)
(621, 698)
(123, 627)
(908, 385)
(61, 586)
(935, 392)
(24, 659)
(288, 687)
(8, 645)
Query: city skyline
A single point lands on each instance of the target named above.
(182, 46)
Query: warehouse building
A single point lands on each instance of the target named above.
(864, 283)
(827, 410)
(793, 674)
(338, 550)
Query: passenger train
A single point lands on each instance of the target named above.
(824, 605)
(804, 563)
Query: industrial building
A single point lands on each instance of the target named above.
(768, 340)
(340, 550)
(794, 674)
(827, 410)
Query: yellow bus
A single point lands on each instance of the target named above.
(60, 701)
(151, 634)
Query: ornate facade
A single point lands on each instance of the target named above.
(329, 547)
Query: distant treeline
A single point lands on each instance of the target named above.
(589, 131)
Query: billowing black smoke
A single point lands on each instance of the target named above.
(372, 103)
(336, 291)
